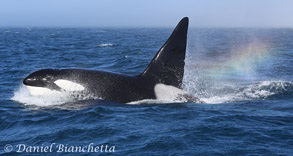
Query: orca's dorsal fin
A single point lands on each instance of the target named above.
(167, 66)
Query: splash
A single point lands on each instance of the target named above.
(234, 76)
(261, 90)
(23, 96)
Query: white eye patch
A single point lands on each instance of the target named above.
(69, 85)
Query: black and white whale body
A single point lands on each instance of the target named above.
(161, 80)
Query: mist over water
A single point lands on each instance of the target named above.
(234, 65)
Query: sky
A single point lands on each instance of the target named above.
(145, 13)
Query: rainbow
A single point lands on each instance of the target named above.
(242, 62)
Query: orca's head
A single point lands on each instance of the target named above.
(49, 80)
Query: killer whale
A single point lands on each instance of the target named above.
(162, 79)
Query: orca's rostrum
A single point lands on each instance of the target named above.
(161, 80)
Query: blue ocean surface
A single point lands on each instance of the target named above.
(243, 75)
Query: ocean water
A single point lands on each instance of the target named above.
(244, 76)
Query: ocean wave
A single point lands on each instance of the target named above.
(267, 89)
(263, 90)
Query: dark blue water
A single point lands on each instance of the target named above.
(243, 75)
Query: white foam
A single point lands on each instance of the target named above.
(51, 98)
(264, 89)
(218, 99)
(150, 101)
(23, 95)
(259, 90)
(105, 44)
